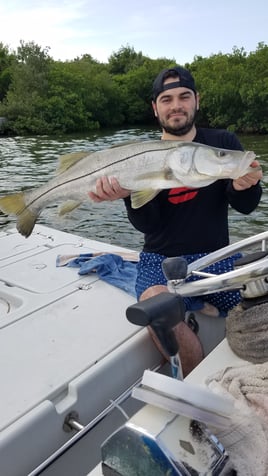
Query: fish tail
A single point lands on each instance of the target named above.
(15, 205)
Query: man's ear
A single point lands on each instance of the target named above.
(197, 101)
(154, 108)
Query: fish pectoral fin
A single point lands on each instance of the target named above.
(15, 205)
(166, 174)
(141, 197)
(66, 161)
(68, 207)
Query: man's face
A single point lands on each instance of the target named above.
(176, 109)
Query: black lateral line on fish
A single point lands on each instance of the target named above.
(93, 172)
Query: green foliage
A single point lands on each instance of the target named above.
(136, 88)
(125, 60)
(28, 87)
(254, 92)
(6, 60)
(233, 89)
(63, 108)
(219, 78)
(41, 96)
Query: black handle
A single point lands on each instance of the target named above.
(162, 312)
(174, 268)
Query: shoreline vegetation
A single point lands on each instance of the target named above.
(39, 95)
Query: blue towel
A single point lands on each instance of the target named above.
(109, 267)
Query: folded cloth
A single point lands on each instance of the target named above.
(111, 268)
(247, 332)
(246, 439)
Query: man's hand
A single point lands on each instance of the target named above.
(242, 183)
(108, 189)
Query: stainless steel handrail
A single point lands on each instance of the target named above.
(236, 279)
(228, 251)
(83, 430)
(231, 280)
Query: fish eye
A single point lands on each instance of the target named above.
(222, 153)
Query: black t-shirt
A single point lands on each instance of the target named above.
(187, 221)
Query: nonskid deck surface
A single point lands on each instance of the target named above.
(65, 344)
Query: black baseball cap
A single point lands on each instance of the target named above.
(185, 80)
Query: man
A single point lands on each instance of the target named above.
(186, 222)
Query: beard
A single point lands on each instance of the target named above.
(179, 129)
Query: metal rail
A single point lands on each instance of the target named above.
(236, 279)
(83, 430)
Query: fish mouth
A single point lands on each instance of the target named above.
(251, 155)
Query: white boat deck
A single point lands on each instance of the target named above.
(62, 348)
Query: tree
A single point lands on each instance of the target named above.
(125, 60)
(39, 95)
(29, 86)
(233, 89)
(6, 60)
(136, 90)
(254, 91)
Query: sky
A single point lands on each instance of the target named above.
(173, 29)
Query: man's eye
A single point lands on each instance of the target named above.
(222, 153)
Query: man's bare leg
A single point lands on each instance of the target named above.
(190, 347)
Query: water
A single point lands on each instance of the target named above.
(27, 162)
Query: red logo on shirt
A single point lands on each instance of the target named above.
(181, 194)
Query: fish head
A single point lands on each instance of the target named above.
(222, 163)
(198, 163)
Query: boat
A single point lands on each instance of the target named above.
(69, 357)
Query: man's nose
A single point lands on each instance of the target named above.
(176, 103)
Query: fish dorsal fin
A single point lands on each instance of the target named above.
(141, 197)
(66, 161)
(68, 207)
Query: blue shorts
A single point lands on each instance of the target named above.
(150, 274)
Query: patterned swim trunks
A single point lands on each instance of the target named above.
(150, 274)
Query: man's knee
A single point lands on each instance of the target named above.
(190, 348)
(153, 291)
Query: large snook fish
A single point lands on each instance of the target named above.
(145, 168)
